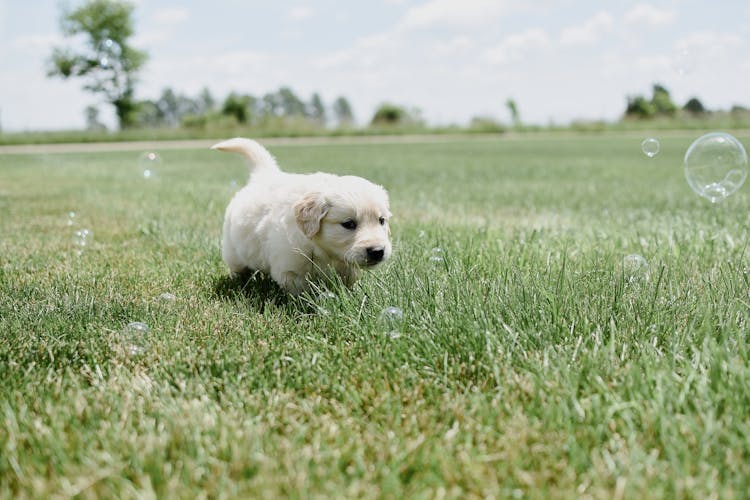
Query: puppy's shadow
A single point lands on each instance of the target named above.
(255, 288)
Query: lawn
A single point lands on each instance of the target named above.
(528, 362)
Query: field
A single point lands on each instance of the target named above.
(529, 362)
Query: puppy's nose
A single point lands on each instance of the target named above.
(375, 254)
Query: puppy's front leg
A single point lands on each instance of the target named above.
(292, 282)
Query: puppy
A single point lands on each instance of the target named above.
(301, 228)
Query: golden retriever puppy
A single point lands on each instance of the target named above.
(299, 228)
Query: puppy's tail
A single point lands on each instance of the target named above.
(258, 156)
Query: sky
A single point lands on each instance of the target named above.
(559, 60)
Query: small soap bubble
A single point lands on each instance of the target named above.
(323, 302)
(168, 297)
(436, 255)
(233, 184)
(634, 267)
(716, 166)
(71, 218)
(82, 238)
(149, 163)
(134, 339)
(683, 62)
(392, 318)
(109, 52)
(110, 48)
(650, 147)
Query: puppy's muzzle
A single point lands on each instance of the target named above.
(375, 255)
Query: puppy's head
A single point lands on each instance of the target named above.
(348, 220)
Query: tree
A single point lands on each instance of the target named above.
(694, 106)
(343, 112)
(270, 105)
(316, 109)
(107, 61)
(515, 116)
(148, 115)
(174, 107)
(389, 114)
(206, 102)
(92, 119)
(393, 114)
(639, 107)
(238, 106)
(291, 105)
(662, 102)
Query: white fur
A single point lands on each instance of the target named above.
(289, 225)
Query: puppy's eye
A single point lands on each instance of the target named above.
(349, 224)
(382, 221)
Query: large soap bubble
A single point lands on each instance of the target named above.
(716, 166)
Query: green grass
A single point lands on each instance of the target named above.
(527, 362)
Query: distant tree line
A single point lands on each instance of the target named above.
(173, 109)
(661, 105)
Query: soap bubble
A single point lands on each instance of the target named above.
(634, 267)
(650, 147)
(683, 62)
(392, 318)
(82, 238)
(436, 255)
(324, 300)
(716, 166)
(71, 218)
(167, 297)
(134, 339)
(109, 53)
(111, 47)
(233, 184)
(149, 162)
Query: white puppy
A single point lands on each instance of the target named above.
(298, 228)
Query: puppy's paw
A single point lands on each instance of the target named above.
(292, 282)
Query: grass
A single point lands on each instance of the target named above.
(528, 362)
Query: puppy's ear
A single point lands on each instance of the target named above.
(309, 211)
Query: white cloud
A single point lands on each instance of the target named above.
(454, 45)
(363, 53)
(300, 12)
(452, 13)
(245, 61)
(648, 14)
(161, 26)
(709, 40)
(589, 32)
(708, 52)
(517, 46)
(171, 16)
